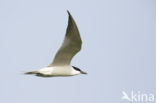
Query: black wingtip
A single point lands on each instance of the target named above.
(68, 13)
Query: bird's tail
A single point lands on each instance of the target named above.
(31, 72)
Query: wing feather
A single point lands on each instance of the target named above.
(71, 45)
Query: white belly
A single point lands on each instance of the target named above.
(57, 71)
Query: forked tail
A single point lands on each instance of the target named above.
(31, 72)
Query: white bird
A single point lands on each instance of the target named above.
(61, 63)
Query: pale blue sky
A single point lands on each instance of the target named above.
(119, 49)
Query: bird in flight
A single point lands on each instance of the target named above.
(61, 63)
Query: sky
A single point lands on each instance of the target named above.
(118, 50)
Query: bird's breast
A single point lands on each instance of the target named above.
(62, 71)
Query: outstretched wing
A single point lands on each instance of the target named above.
(71, 45)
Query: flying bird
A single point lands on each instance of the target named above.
(61, 63)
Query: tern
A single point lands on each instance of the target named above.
(61, 63)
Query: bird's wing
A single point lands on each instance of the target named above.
(71, 45)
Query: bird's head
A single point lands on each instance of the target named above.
(79, 70)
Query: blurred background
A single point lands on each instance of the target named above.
(118, 51)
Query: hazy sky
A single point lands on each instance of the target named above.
(118, 51)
